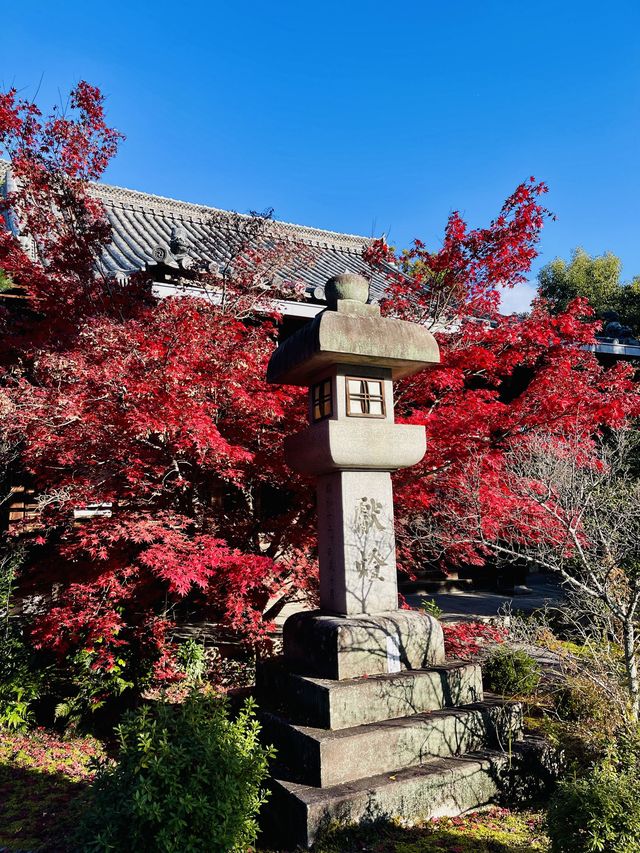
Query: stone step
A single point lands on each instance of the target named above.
(328, 704)
(296, 813)
(324, 758)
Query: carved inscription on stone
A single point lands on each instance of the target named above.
(371, 539)
(356, 543)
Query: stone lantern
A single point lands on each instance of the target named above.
(414, 738)
(349, 357)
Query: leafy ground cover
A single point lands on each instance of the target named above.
(494, 831)
(41, 779)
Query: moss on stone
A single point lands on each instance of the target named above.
(495, 831)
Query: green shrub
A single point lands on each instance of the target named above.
(192, 658)
(583, 724)
(188, 779)
(21, 682)
(581, 700)
(511, 672)
(431, 607)
(596, 813)
(5, 281)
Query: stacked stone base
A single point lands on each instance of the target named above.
(411, 745)
(439, 787)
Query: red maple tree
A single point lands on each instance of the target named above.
(158, 410)
(502, 380)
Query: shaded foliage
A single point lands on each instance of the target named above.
(596, 813)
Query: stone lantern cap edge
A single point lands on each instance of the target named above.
(334, 337)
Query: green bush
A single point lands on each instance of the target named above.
(511, 672)
(192, 658)
(5, 281)
(596, 813)
(431, 607)
(21, 682)
(580, 700)
(188, 779)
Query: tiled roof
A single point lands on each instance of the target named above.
(141, 222)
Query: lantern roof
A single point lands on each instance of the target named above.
(351, 332)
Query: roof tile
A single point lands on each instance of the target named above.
(141, 221)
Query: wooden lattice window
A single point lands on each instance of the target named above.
(321, 400)
(365, 398)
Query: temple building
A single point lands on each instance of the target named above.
(172, 239)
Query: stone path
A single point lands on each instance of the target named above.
(467, 606)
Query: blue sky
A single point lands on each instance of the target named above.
(361, 117)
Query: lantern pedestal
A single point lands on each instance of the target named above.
(341, 647)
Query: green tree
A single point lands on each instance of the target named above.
(629, 304)
(596, 278)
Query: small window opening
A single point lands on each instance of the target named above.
(321, 400)
(365, 398)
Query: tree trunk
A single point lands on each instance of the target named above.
(631, 664)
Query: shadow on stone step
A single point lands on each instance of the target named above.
(324, 758)
(325, 703)
(298, 814)
(337, 647)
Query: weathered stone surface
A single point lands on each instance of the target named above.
(352, 306)
(349, 358)
(441, 786)
(334, 445)
(328, 704)
(350, 338)
(347, 285)
(356, 543)
(324, 758)
(347, 647)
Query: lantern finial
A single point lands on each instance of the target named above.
(347, 285)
